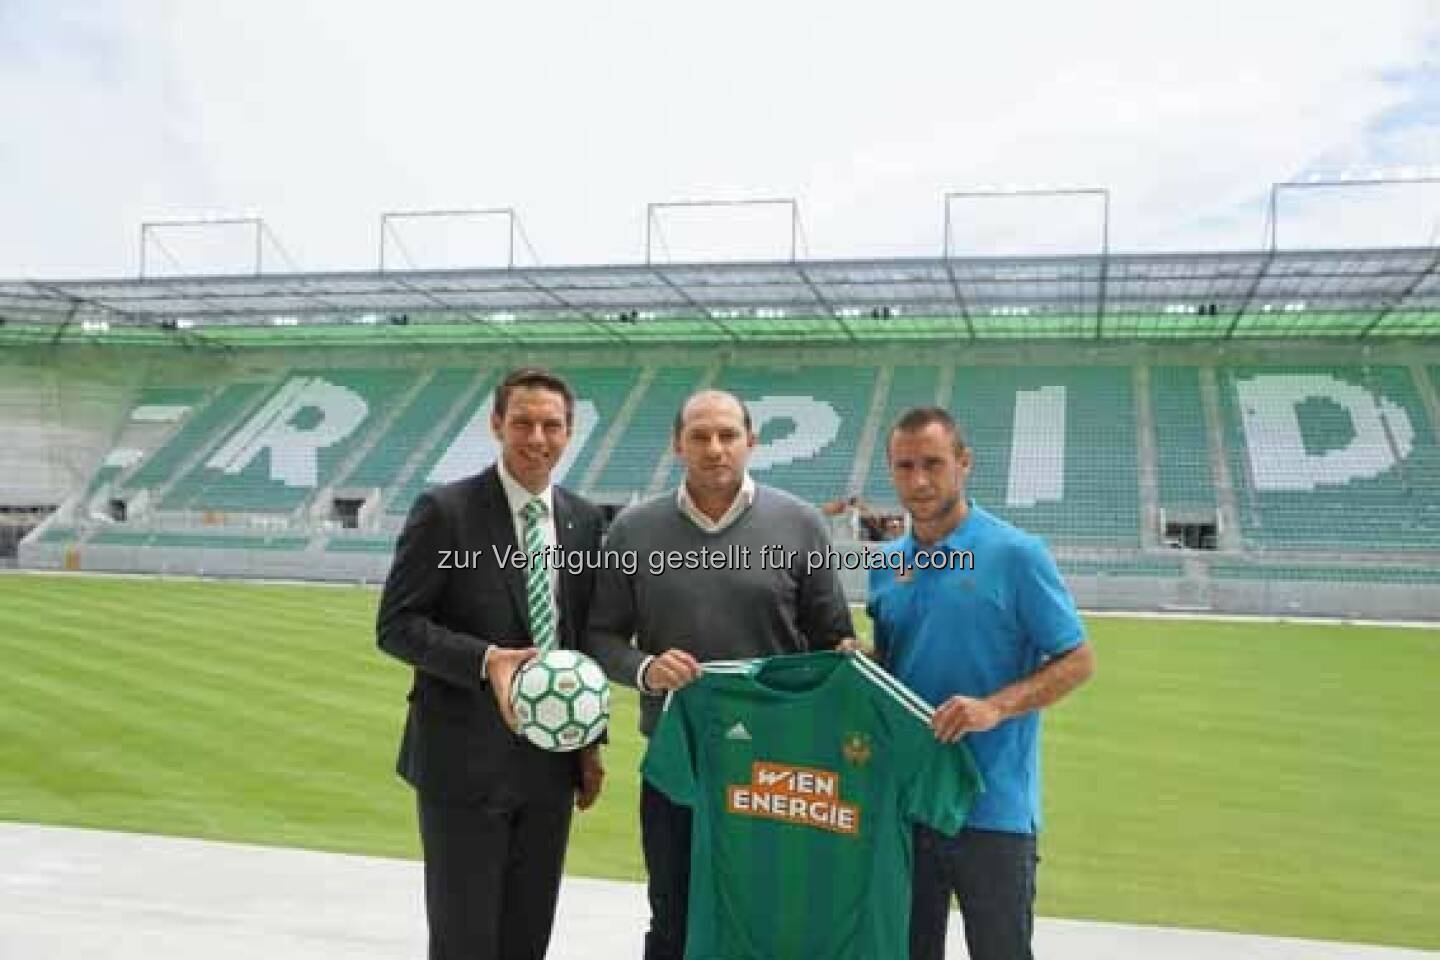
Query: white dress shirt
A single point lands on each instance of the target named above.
(739, 505)
(516, 497)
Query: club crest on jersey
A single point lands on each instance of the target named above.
(856, 749)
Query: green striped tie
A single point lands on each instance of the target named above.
(537, 578)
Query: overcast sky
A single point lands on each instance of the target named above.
(319, 115)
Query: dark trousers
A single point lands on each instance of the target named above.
(993, 876)
(665, 837)
(492, 877)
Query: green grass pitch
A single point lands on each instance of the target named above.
(1262, 777)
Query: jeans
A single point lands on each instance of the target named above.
(993, 876)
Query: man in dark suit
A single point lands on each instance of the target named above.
(494, 810)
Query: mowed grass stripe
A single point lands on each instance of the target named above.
(164, 721)
(1262, 777)
(225, 608)
(218, 679)
(169, 632)
(171, 740)
(174, 763)
(265, 606)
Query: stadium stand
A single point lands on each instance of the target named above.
(1333, 457)
(1332, 468)
(1322, 456)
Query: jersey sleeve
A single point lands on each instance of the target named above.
(944, 785)
(1045, 606)
(669, 762)
(939, 780)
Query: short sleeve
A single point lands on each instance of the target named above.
(939, 781)
(669, 762)
(1046, 608)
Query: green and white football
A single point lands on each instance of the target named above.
(562, 700)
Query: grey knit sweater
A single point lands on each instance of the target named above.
(751, 602)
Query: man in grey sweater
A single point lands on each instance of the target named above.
(725, 569)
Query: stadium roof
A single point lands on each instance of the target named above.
(1329, 293)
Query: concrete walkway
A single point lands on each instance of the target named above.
(67, 893)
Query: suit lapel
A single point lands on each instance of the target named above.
(502, 533)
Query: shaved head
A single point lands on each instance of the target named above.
(710, 399)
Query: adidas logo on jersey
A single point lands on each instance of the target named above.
(738, 732)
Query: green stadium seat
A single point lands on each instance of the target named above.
(1182, 446)
(635, 456)
(199, 431)
(381, 466)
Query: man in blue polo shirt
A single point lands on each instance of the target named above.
(971, 613)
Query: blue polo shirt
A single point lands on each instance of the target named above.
(943, 629)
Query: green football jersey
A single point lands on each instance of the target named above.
(806, 774)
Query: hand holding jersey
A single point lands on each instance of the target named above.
(671, 670)
(961, 715)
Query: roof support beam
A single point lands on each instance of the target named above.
(694, 304)
(825, 304)
(426, 294)
(959, 298)
(1249, 294)
(566, 304)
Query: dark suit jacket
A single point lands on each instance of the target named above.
(440, 621)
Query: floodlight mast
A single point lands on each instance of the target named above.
(387, 230)
(1272, 222)
(990, 193)
(652, 208)
(652, 230)
(1272, 218)
(147, 227)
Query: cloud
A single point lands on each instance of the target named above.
(323, 115)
